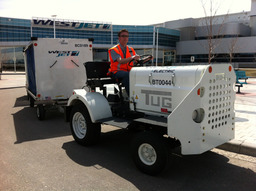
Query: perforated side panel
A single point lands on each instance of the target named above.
(212, 101)
(220, 103)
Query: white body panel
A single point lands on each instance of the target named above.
(97, 105)
(198, 104)
(58, 67)
(158, 89)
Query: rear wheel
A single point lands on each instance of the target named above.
(31, 101)
(40, 112)
(149, 152)
(83, 130)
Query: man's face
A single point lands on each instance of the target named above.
(123, 38)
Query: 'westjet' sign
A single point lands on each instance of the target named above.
(70, 25)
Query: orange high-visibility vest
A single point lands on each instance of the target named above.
(115, 66)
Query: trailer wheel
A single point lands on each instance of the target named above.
(149, 152)
(31, 101)
(83, 130)
(40, 112)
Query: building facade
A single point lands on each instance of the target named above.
(15, 34)
(231, 39)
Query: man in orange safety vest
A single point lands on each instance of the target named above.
(120, 56)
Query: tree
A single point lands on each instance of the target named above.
(213, 26)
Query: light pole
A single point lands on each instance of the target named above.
(157, 33)
(54, 32)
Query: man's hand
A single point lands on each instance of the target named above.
(136, 57)
(127, 60)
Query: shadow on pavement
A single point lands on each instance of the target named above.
(247, 112)
(209, 171)
(29, 128)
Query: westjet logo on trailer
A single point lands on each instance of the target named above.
(64, 53)
(73, 25)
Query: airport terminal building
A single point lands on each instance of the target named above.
(186, 41)
(15, 34)
(233, 38)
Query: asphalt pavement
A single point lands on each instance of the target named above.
(245, 108)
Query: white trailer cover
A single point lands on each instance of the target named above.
(54, 67)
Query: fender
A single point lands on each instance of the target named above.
(97, 105)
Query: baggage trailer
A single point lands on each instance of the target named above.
(53, 69)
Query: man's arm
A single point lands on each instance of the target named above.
(117, 57)
(126, 60)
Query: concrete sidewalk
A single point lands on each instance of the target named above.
(245, 107)
(245, 127)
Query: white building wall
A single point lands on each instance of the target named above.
(222, 46)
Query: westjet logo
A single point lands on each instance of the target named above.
(74, 25)
(64, 53)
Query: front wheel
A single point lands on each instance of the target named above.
(83, 130)
(149, 152)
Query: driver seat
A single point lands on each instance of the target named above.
(97, 76)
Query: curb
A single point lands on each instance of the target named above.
(18, 73)
(240, 147)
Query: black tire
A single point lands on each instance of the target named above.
(149, 152)
(83, 130)
(40, 112)
(31, 101)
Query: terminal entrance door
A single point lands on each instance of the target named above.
(169, 57)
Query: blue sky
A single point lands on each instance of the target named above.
(132, 12)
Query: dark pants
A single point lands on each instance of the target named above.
(124, 77)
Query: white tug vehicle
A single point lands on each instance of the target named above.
(187, 106)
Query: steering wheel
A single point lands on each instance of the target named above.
(143, 59)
